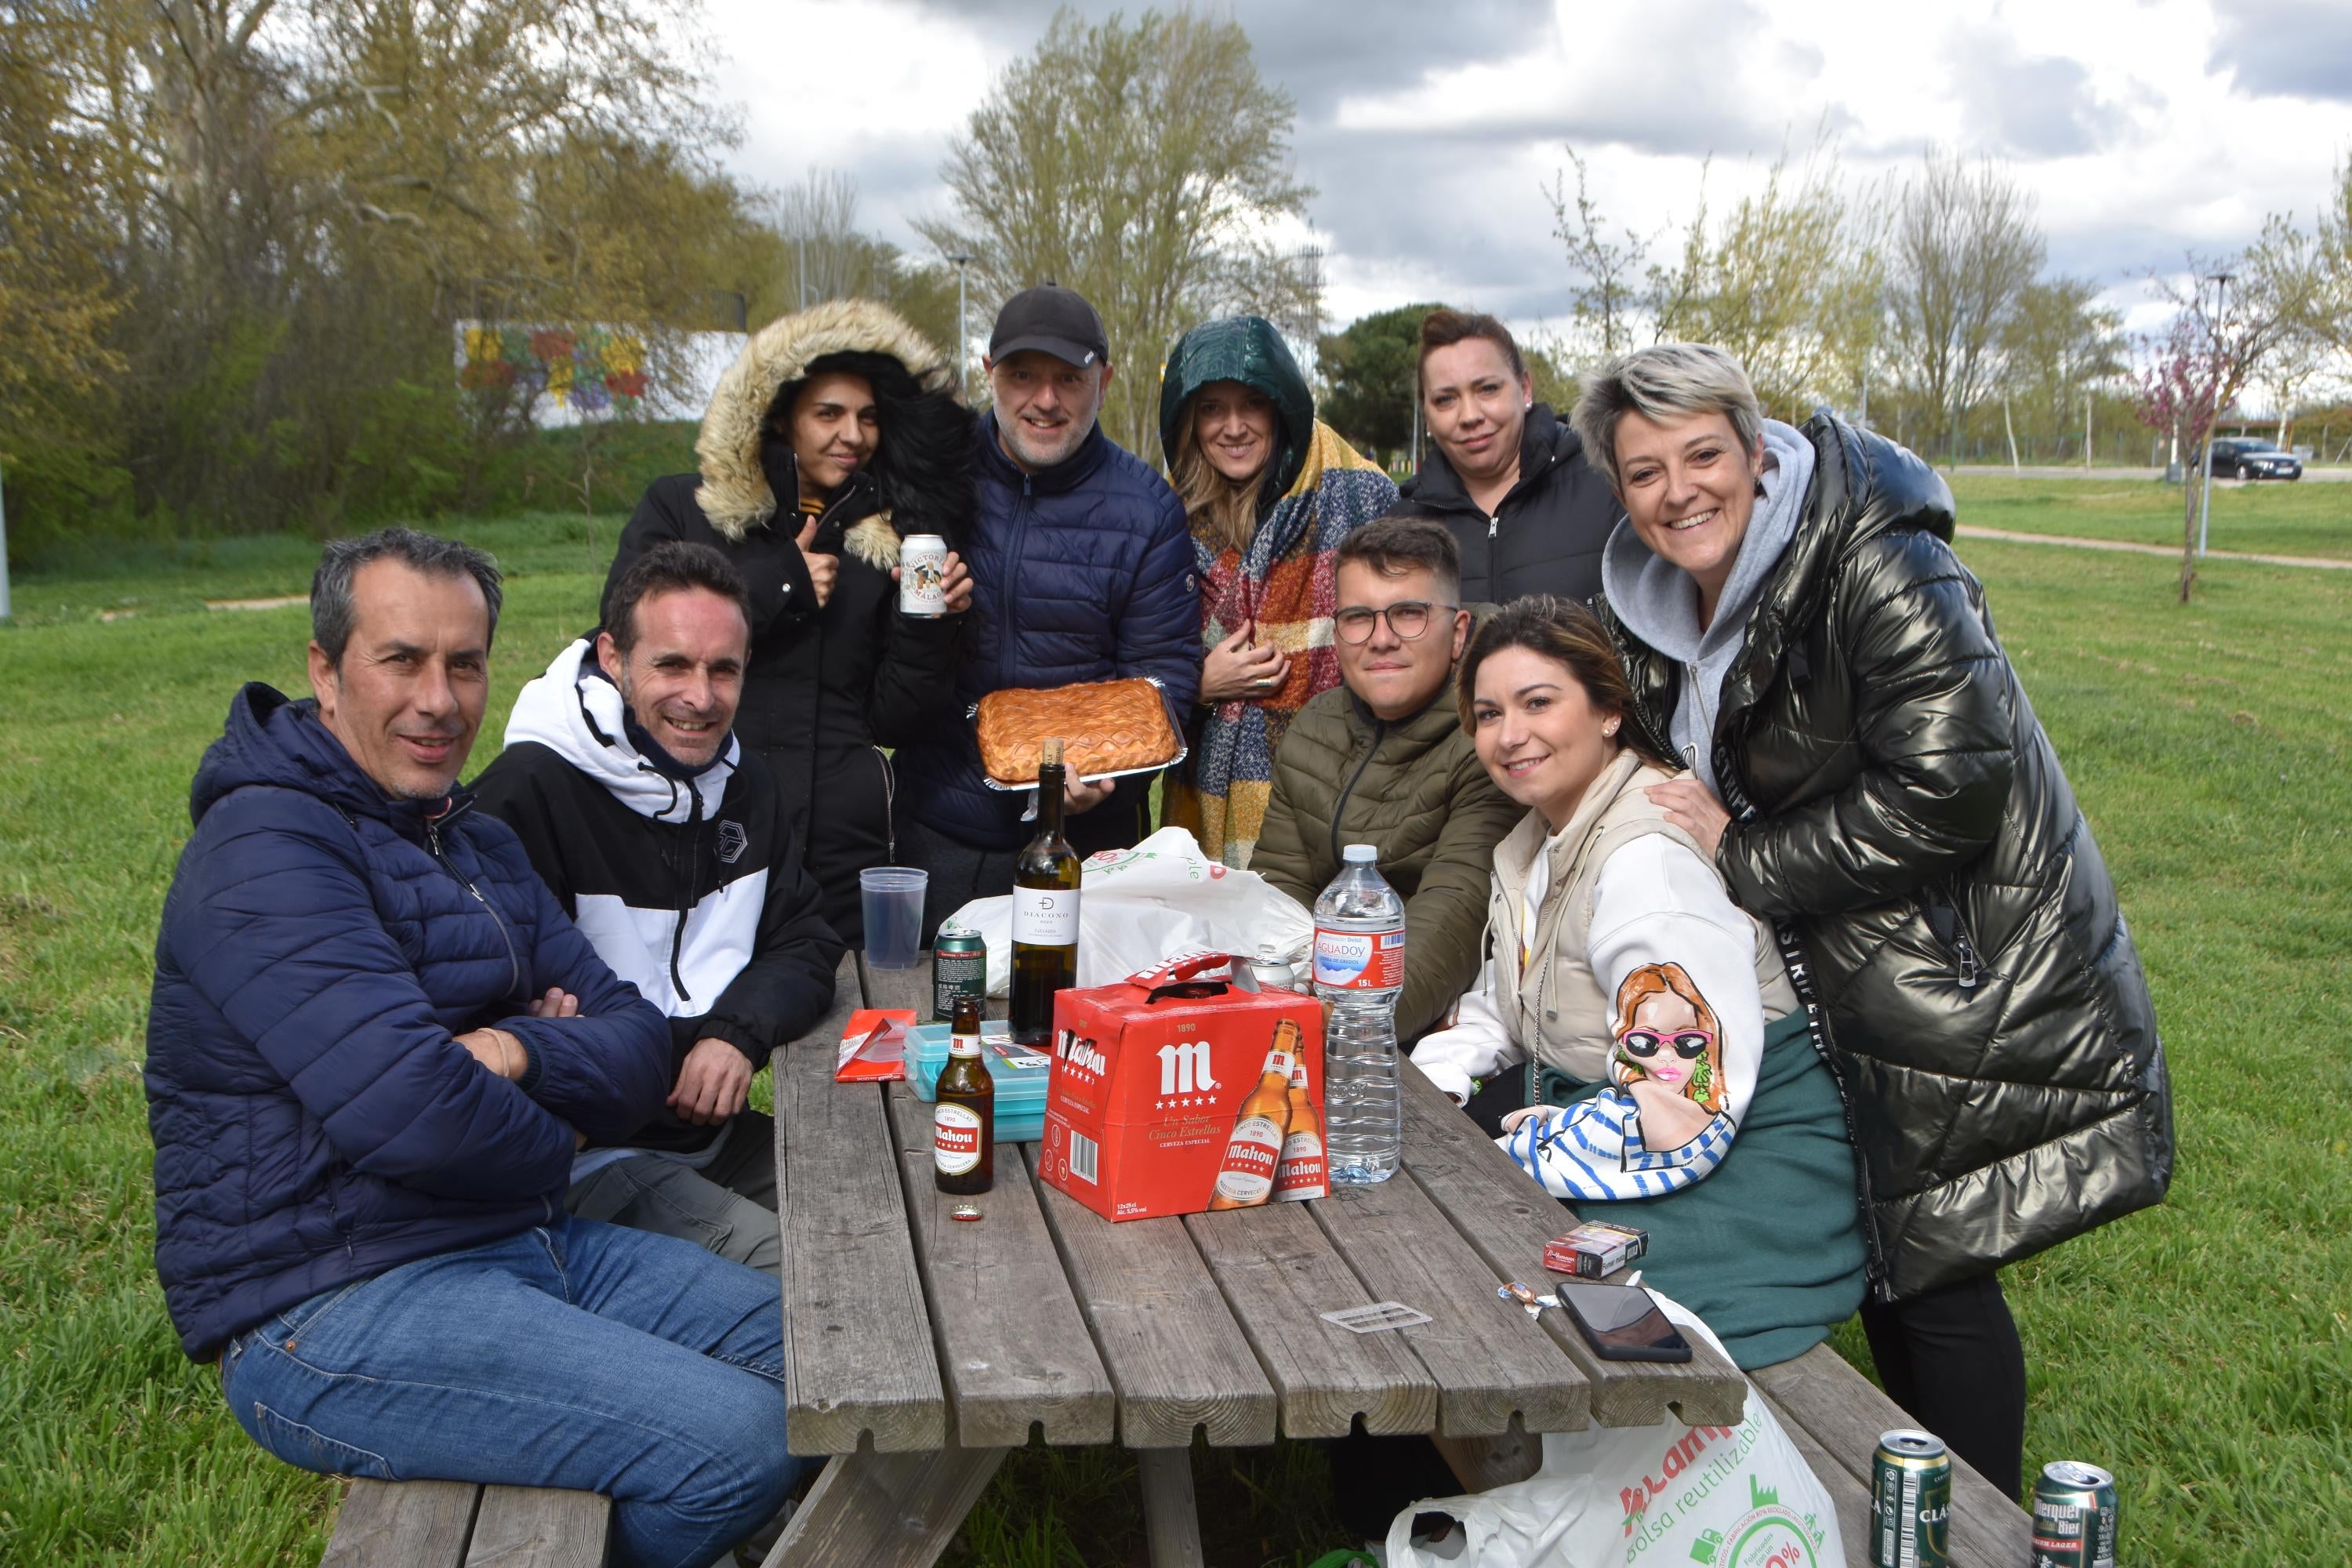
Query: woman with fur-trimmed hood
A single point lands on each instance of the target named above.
(837, 433)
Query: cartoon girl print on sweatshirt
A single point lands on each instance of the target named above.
(1669, 1054)
(1663, 1124)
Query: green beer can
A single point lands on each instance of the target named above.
(959, 968)
(1910, 1502)
(2074, 1516)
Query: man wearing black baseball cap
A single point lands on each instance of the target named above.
(1082, 570)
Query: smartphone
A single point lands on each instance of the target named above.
(1622, 1322)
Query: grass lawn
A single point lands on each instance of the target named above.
(2202, 1352)
(2307, 517)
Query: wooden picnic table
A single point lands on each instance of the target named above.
(919, 1349)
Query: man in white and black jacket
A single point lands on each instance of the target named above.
(671, 847)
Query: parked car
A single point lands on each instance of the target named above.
(2251, 458)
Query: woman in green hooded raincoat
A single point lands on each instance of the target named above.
(1269, 493)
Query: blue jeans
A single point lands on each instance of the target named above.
(577, 1356)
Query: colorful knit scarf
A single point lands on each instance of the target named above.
(1286, 582)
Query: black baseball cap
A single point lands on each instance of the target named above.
(1053, 319)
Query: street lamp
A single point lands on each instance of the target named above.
(2205, 507)
(964, 337)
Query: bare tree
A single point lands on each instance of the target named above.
(1966, 243)
(1607, 272)
(832, 261)
(1146, 166)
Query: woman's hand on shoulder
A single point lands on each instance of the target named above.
(1693, 807)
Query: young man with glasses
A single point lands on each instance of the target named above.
(1381, 760)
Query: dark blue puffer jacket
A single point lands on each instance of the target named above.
(315, 1120)
(1080, 572)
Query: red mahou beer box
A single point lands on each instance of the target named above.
(1163, 1098)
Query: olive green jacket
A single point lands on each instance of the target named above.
(1415, 789)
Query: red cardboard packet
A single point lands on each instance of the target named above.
(874, 1046)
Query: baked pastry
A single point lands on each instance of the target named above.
(1105, 727)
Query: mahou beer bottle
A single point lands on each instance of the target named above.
(1246, 1174)
(963, 1123)
(1045, 912)
(1301, 1172)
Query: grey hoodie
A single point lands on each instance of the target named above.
(1658, 602)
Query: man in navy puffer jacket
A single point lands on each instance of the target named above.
(1082, 570)
(374, 1044)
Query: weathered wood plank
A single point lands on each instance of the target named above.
(1490, 1361)
(1845, 1413)
(1173, 1351)
(403, 1524)
(1507, 1219)
(528, 1527)
(908, 988)
(859, 1361)
(1278, 1271)
(1172, 1519)
(885, 1510)
(1011, 1344)
(1849, 1495)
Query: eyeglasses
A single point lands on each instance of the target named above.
(1407, 619)
(1688, 1043)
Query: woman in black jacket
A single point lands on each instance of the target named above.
(1509, 480)
(837, 433)
(1870, 777)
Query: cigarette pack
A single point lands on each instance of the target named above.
(1595, 1248)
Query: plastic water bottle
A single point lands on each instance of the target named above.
(1360, 968)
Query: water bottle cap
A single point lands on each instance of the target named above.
(1361, 854)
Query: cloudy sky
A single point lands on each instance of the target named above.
(2143, 128)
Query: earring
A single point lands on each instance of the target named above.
(1610, 728)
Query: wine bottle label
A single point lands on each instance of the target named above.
(1045, 917)
(1359, 960)
(955, 1138)
(1247, 1174)
(1301, 1173)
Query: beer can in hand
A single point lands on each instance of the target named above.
(923, 562)
(1910, 1502)
(2074, 1516)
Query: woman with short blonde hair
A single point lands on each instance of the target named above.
(1867, 774)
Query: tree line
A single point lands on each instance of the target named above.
(239, 240)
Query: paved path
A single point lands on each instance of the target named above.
(2170, 552)
(2076, 471)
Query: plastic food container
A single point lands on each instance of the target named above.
(1021, 1074)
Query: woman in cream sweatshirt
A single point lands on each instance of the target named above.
(1661, 1043)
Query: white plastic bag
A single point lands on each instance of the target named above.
(1716, 1497)
(1137, 906)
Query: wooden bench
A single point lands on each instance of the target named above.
(455, 1524)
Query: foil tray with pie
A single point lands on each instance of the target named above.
(1108, 728)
